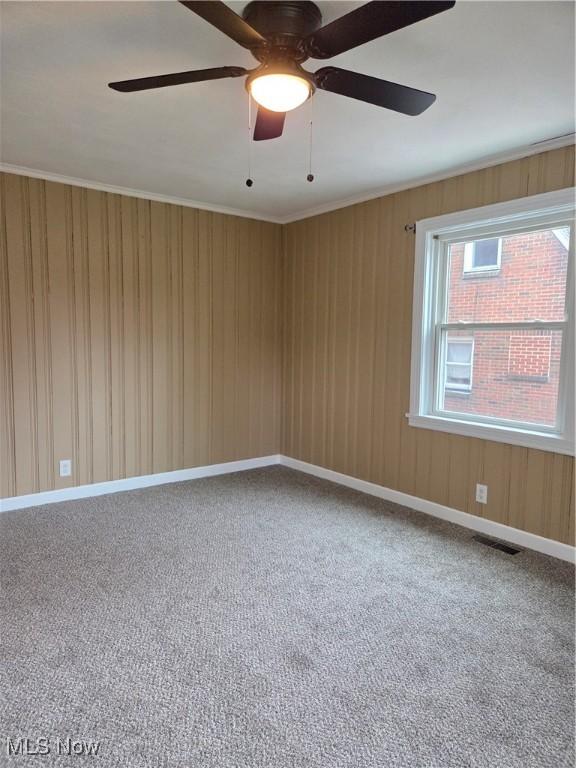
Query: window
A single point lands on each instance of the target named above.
(482, 256)
(495, 358)
(458, 366)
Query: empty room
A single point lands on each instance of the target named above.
(287, 351)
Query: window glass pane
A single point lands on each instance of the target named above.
(459, 352)
(457, 376)
(514, 376)
(530, 284)
(485, 253)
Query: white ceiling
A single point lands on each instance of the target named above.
(503, 73)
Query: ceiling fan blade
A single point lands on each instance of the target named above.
(368, 22)
(269, 125)
(382, 93)
(223, 18)
(177, 78)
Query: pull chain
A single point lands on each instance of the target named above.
(249, 181)
(310, 176)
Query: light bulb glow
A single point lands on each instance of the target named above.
(280, 93)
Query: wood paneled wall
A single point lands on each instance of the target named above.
(136, 337)
(347, 338)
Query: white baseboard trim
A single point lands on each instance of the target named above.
(487, 527)
(131, 483)
(480, 524)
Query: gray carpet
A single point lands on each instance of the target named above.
(271, 620)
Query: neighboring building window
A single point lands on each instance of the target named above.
(506, 344)
(458, 366)
(483, 255)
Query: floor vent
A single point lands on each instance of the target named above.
(493, 544)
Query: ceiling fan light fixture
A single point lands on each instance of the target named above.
(280, 92)
(281, 35)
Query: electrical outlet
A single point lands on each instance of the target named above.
(481, 493)
(65, 467)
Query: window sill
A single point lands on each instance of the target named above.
(542, 441)
(469, 274)
(529, 379)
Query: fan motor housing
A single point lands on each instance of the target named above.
(283, 22)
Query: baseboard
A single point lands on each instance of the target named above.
(480, 524)
(131, 483)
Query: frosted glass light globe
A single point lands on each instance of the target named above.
(280, 93)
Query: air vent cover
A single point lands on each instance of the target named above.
(493, 544)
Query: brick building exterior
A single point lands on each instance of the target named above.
(513, 374)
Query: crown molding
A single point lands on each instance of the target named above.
(459, 170)
(487, 161)
(34, 173)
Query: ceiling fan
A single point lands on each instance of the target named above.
(282, 34)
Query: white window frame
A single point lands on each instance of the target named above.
(460, 387)
(469, 267)
(551, 209)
